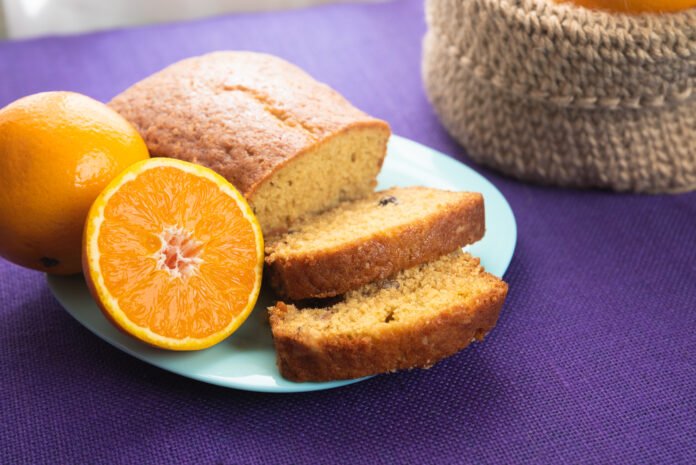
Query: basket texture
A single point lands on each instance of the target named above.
(562, 95)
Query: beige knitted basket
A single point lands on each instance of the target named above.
(562, 95)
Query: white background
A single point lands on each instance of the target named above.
(32, 18)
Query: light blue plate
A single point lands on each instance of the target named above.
(246, 360)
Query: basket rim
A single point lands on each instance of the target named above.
(566, 15)
(613, 41)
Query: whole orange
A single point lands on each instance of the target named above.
(636, 6)
(58, 150)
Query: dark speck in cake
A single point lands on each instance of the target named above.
(384, 201)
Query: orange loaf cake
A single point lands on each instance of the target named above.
(291, 145)
(371, 239)
(415, 319)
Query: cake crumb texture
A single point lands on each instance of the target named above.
(415, 319)
(370, 239)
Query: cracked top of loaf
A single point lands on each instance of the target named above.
(243, 114)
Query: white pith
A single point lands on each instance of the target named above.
(179, 253)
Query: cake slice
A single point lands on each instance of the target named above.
(370, 239)
(415, 319)
(293, 146)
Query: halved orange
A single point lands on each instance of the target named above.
(173, 254)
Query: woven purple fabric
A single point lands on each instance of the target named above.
(593, 360)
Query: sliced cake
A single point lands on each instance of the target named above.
(370, 239)
(414, 319)
(291, 145)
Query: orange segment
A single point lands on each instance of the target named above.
(173, 254)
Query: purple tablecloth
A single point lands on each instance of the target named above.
(593, 360)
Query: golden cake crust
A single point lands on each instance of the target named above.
(335, 270)
(243, 114)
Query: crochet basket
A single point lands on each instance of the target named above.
(558, 94)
